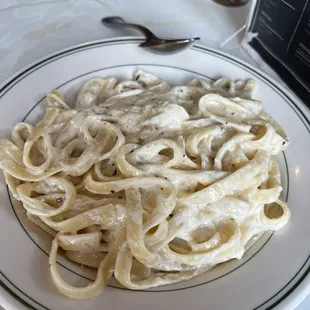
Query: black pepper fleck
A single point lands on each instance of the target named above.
(131, 152)
(49, 265)
(112, 192)
(283, 142)
(137, 78)
(120, 197)
(184, 155)
(161, 188)
(233, 113)
(226, 123)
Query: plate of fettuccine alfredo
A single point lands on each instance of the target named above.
(141, 181)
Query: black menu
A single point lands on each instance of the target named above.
(283, 41)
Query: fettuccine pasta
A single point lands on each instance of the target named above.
(151, 184)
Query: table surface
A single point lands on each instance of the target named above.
(31, 29)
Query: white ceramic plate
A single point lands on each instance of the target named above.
(272, 274)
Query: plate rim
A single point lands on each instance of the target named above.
(301, 288)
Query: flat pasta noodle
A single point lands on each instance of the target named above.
(152, 184)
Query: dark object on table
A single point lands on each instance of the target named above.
(283, 41)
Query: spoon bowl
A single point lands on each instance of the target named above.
(162, 46)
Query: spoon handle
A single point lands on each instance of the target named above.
(119, 22)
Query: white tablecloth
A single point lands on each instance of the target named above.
(30, 29)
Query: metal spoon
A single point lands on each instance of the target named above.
(152, 43)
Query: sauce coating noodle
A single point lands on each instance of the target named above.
(153, 184)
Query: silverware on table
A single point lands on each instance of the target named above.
(152, 43)
(232, 2)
